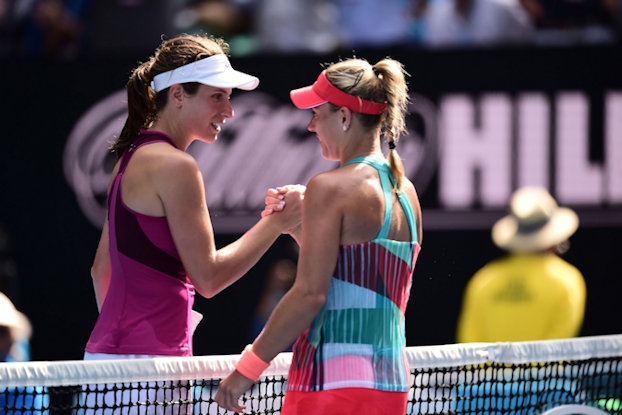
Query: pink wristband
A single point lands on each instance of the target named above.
(250, 365)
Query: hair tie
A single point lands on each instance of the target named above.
(391, 145)
(359, 76)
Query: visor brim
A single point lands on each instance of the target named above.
(305, 98)
(231, 79)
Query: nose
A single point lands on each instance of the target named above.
(311, 125)
(227, 110)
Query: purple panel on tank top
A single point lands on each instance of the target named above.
(134, 243)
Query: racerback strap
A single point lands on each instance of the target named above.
(387, 180)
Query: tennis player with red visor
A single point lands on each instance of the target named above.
(361, 235)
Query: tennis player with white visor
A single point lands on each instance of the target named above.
(157, 245)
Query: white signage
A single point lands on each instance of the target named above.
(480, 149)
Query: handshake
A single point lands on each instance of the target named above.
(286, 200)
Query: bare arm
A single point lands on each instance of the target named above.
(181, 190)
(100, 270)
(322, 216)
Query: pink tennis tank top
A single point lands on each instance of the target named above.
(148, 306)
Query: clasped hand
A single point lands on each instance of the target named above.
(291, 196)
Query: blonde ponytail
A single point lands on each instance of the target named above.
(391, 76)
(383, 82)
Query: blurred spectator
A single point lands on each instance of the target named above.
(9, 25)
(223, 18)
(20, 350)
(279, 279)
(14, 329)
(373, 23)
(131, 27)
(8, 267)
(531, 293)
(573, 21)
(466, 23)
(13, 17)
(290, 26)
(54, 28)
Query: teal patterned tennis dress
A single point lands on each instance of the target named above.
(357, 339)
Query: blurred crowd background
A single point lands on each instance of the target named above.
(550, 68)
(70, 29)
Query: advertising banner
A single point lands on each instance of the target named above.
(467, 148)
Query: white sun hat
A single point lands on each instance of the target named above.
(214, 71)
(9, 317)
(535, 222)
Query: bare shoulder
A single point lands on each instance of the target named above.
(167, 168)
(165, 161)
(320, 187)
(322, 182)
(163, 154)
(409, 188)
(329, 184)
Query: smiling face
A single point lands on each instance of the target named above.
(328, 128)
(205, 112)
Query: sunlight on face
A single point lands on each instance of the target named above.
(207, 111)
(326, 126)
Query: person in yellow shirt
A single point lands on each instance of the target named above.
(530, 293)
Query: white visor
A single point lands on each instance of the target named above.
(214, 71)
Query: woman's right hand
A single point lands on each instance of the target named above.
(285, 203)
(274, 201)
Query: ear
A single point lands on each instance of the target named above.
(176, 95)
(346, 116)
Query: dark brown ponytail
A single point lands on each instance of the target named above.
(141, 109)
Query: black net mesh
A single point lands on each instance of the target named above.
(488, 388)
(496, 388)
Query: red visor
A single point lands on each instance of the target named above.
(323, 91)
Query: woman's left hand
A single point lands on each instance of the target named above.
(275, 198)
(231, 389)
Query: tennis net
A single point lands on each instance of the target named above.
(475, 378)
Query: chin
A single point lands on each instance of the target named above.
(325, 153)
(209, 139)
(328, 156)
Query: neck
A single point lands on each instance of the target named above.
(181, 140)
(363, 147)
